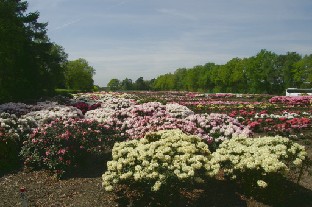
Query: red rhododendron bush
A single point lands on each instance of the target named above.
(161, 141)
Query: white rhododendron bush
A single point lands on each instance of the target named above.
(51, 113)
(257, 161)
(162, 159)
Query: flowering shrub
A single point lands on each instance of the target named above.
(292, 100)
(108, 108)
(100, 114)
(102, 96)
(12, 133)
(63, 144)
(84, 107)
(287, 124)
(15, 108)
(17, 128)
(161, 160)
(138, 120)
(258, 161)
(178, 111)
(220, 126)
(51, 113)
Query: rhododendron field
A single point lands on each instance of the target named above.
(162, 142)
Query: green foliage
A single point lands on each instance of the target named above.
(126, 84)
(303, 72)
(29, 63)
(114, 84)
(79, 75)
(9, 150)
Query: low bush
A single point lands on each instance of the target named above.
(64, 144)
(256, 162)
(160, 163)
(13, 131)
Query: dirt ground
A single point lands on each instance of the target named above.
(83, 189)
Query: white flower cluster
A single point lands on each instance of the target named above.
(51, 113)
(262, 155)
(16, 126)
(178, 111)
(287, 115)
(21, 109)
(156, 158)
(109, 107)
(99, 114)
(117, 103)
(101, 96)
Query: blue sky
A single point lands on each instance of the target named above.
(147, 38)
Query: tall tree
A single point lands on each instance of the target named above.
(140, 84)
(79, 75)
(114, 84)
(26, 65)
(303, 72)
(126, 84)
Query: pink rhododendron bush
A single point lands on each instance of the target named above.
(138, 120)
(64, 143)
(292, 100)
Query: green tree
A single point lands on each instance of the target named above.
(79, 75)
(140, 84)
(286, 64)
(180, 76)
(26, 66)
(114, 84)
(58, 58)
(126, 84)
(303, 72)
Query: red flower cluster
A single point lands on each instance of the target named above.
(84, 107)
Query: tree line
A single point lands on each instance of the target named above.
(265, 72)
(30, 64)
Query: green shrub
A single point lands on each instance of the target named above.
(9, 150)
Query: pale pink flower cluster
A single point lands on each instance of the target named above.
(137, 120)
(292, 100)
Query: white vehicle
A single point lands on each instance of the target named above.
(298, 92)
